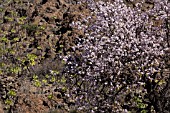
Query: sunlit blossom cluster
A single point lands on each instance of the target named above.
(122, 38)
(120, 33)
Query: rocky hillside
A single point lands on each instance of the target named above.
(84, 56)
(34, 36)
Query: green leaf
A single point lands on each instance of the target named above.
(16, 39)
(4, 39)
(142, 105)
(31, 56)
(47, 76)
(15, 70)
(1, 72)
(63, 80)
(52, 79)
(44, 81)
(61, 46)
(35, 77)
(37, 83)
(64, 89)
(144, 111)
(8, 102)
(13, 30)
(42, 27)
(12, 93)
(161, 82)
(1, 9)
(50, 96)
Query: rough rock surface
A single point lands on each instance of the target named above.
(38, 35)
(60, 56)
